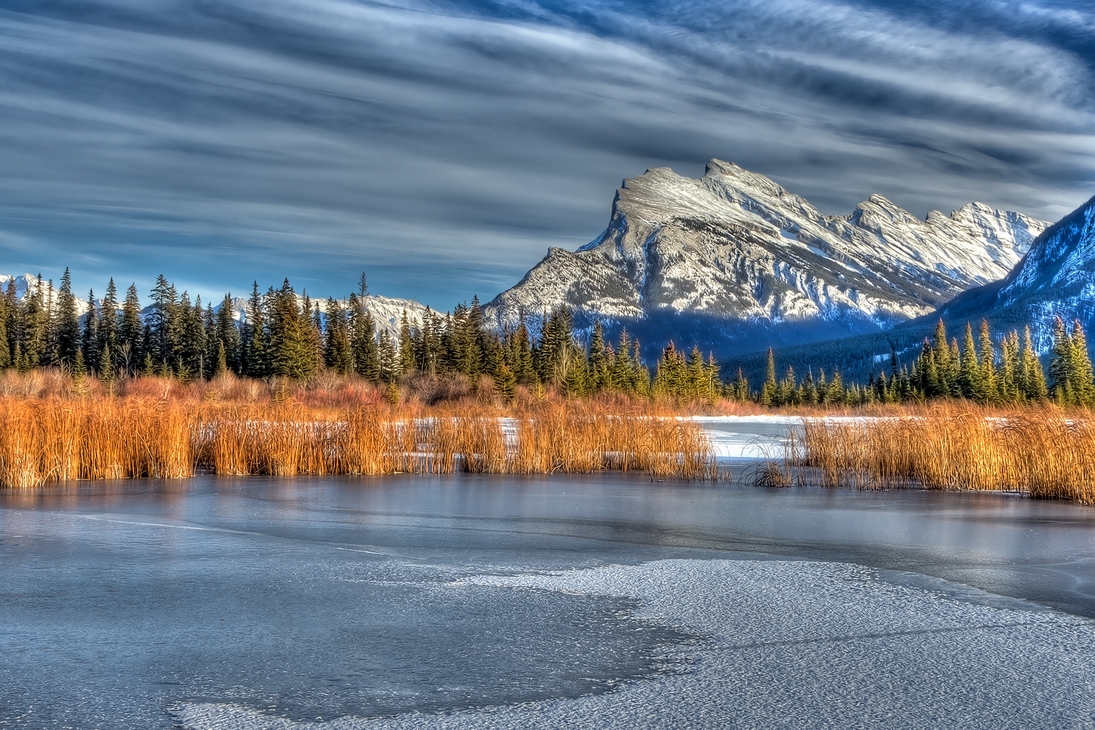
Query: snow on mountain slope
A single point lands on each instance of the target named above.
(1055, 278)
(736, 246)
(387, 312)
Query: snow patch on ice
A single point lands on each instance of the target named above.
(792, 644)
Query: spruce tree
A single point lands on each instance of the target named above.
(970, 370)
(598, 359)
(254, 355)
(89, 340)
(292, 352)
(33, 337)
(1033, 377)
(7, 311)
(406, 346)
(108, 325)
(67, 325)
(769, 391)
(131, 332)
(336, 350)
(1010, 369)
(227, 334)
(1082, 378)
(988, 364)
(1060, 364)
(363, 340)
(160, 321)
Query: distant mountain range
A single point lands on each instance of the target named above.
(733, 262)
(386, 311)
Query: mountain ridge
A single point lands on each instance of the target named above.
(756, 260)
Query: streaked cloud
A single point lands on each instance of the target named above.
(443, 146)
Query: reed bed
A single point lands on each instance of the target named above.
(1044, 453)
(58, 440)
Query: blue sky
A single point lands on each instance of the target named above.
(443, 146)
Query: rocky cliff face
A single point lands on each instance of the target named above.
(740, 257)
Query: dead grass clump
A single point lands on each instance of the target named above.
(158, 432)
(55, 440)
(1041, 452)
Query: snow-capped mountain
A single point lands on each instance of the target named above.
(387, 312)
(733, 261)
(1055, 278)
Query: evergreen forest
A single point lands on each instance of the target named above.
(286, 335)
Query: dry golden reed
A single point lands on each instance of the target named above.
(56, 439)
(1046, 453)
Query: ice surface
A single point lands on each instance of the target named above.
(793, 644)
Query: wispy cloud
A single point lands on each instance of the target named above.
(444, 145)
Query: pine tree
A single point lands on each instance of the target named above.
(598, 359)
(7, 317)
(836, 394)
(363, 340)
(1060, 364)
(1033, 377)
(108, 326)
(227, 335)
(520, 354)
(79, 372)
(505, 381)
(769, 391)
(988, 364)
(292, 353)
(160, 320)
(970, 370)
(131, 332)
(1082, 378)
(336, 350)
(1010, 369)
(67, 325)
(107, 372)
(254, 355)
(221, 363)
(33, 335)
(386, 358)
(89, 340)
(406, 346)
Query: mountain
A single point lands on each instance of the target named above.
(1055, 278)
(734, 262)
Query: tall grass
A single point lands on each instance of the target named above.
(1045, 452)
(57, 439)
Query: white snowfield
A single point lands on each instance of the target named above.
(747, 437)
(793, 644)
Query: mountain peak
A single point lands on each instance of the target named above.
(749, 259)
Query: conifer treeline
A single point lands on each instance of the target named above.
(979, 371)
(286, 335)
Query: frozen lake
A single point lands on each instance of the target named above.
(604, 601)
